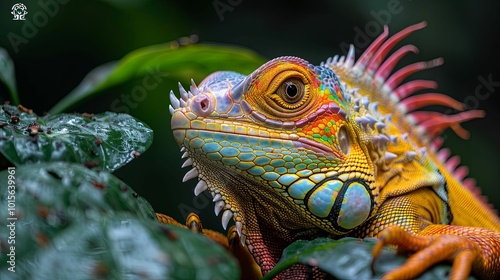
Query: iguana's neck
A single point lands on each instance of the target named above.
(270, 224)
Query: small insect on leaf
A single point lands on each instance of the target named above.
(99, 185)
(91, 164)
(88, 115)
(24, 109)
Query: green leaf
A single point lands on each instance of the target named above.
(347, 258)
(7, 75)
(161, 61)
(106, 140)
(75, 223)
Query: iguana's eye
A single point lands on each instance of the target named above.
(286, 91)
(290, 93)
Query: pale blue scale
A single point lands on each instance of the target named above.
(219, 81)
(233, 138)
(211, 147)
(224, 104)
(244, 140)
(288, 144)
(304, 173)
(268, 168)
(276, 143)
(196, 143)
(229, 151)
(317, 177)
(301, 166)
(265, 142)
(235, 111)
(225, 143)
(246, 150)
(253, 141)
(277, 162)
(287, 157)
(356, 206)
(246, 156)
(287, 179)
(206, 134)
(220, 137)
(256, 170)
(191, 134)
(321, 201)
(275, 184)
(270, 176)
(214, 156)
(281, 170)
(312, 166)
(300, 188)
(262, 160)
(244, 165)
(259, 153)
(230, 160)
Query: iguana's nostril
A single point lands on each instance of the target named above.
(202, 105)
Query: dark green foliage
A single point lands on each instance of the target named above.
(7, 74)
(73, 219)
(348, 258)
(161, 62)
(107, 140)
(77, 223)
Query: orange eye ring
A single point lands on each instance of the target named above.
(285, 91)
(289, 95)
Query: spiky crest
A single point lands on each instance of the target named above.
(423, 127)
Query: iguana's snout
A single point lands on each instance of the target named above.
(193, 103)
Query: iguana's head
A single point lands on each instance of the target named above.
(283, 138)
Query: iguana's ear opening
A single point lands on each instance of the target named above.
(344, 141)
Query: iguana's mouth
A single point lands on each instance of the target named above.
(181, 124)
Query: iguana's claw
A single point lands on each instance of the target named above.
(249, 268)
(193, 222)
(429, 250)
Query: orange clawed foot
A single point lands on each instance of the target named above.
(249, 268)
(429, 250)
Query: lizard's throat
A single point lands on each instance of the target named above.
(225, 187)
(241, 199)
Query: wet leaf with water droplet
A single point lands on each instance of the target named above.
(67, 228)
(347, 258)
(108, 140)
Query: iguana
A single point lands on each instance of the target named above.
(296, 151)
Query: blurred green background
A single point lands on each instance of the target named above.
(68, 38)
